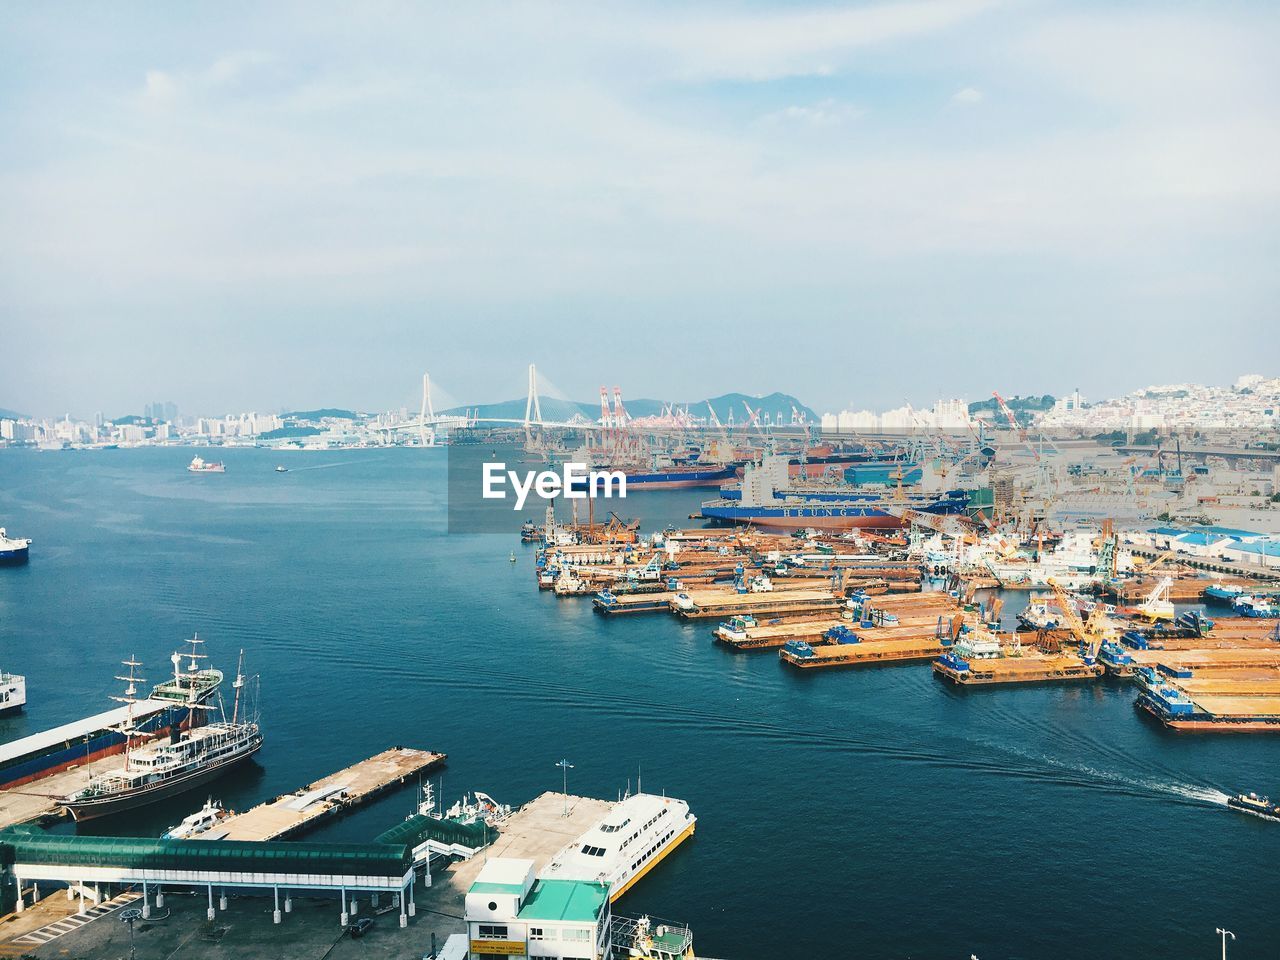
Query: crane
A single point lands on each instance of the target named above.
(1090, 635)
(1013, 422)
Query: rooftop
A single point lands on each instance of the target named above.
(582, 901)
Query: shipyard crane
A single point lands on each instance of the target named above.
(1090, 640)
(1019, 428)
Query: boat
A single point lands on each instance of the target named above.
(762, 503)
(281, 468)
(633, 837)
(194, 684)
(647, 937)
(477, 807)
(1255, 805)
(1038, 616)
(13, 551)
(200, 465)
(1222, 593)
(13, 693)
(153, 771)
(1259, 607)
(198, 824)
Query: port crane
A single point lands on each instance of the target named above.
(1019, 428)
(1091, 634)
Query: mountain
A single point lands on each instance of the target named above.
(11, 415)
(562, 410)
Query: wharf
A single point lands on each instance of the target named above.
(328, 797)
(866, 653)
(1202, 659)
(41, 800)
(1029, 668)
(634, 603)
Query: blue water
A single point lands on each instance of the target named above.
(872, 813)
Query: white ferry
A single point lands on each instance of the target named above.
(632, 838)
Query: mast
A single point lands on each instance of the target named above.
(129, 699)
(239, 683)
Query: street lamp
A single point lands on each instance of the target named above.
(1224, 934)
(565, 766)
(131, 917)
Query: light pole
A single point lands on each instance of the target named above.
(565, 766)
(130, 917)
(1224, 934)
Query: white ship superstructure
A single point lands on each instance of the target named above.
(13, 692)
(634, 836)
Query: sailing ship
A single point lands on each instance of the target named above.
(188, 759)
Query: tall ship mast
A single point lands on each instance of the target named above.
(195, 682)
(190, 757)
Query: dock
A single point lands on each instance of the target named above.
(701, 604)
(1029, 668)
(328, 797)
(869, 653)
(41, 800)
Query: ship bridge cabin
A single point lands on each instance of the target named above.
(510, 914)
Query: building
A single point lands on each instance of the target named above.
(511, 914)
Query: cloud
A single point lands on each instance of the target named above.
(825, 113)
(159, 88)
(967, 95)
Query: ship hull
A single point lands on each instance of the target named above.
(14, 557)
(1268, 814)
(679, 479)
(141, 796)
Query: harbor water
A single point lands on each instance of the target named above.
(875, 813)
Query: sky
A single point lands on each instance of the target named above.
(243, 206)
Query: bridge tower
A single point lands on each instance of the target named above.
(532, 409)
(427, 413)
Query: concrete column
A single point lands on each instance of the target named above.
(355, 906)
(146, 902)
(404, 920)
(373, 901)
(18, 905)
(413, 905)
(211, 913)
(81, 910)
(288, 903)
(159, 898)
(71, 891)
(222, 899)
(97, 895)
(275, 914)
(346, 917)
(35, 894)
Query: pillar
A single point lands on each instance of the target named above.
(18, 906)
(275, 914)
(159, 898)
(288, 903)
(346, 917)
(413, 905)
(35, 894)
(373, 900)
(404, 920)
(222, 899)
(71, 891)
(82, 909)
(146, 902)
(211, 913)
(355, 906)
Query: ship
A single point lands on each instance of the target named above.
(13, 551)
(13, 693)
(281, 468)
(630, 841)
(195, 683)
(1255, 805)
(760, 504)
(201, 824)
(200, 465)
(188, 759)
(1258, 607)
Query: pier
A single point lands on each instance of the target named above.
(328, 797)
(41, 800)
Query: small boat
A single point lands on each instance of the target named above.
(513, 557)
(281, 468)
(200, 465)
(198, 823)
(1253, 804)
(13, 551)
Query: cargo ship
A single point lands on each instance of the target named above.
(189, 758)
(83, 741)
(200, 465)
(1255, 805)
(629, 842)
(759, 504)
(13, 551)
(677, 476)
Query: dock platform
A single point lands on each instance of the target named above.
(1043, 668)
(865, 654)
(328, 797)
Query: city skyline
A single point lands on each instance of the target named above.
(263, 208)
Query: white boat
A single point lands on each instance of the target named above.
(200, 465)
(631, 839)
(199, 823)
(13, 550)
(13, 693)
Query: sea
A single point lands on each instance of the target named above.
(876, 813)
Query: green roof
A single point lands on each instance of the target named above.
(358, 859)
(581, 901)
(485, 886)
(420, 828)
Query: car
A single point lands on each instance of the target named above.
(360, 927)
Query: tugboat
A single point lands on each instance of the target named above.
(154, 771)
(1253, 804)
(13, 552)
(200, 465)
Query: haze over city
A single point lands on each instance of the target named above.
(272, 208)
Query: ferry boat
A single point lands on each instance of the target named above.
(631, 839)
(162, 769)
(13, 693)
(199, 824)
(200, 465)
(13, 551)
(1253, 804)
